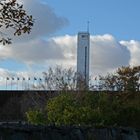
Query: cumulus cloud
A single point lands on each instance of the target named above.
(40, 51)
(46, 23)
(4, 72)
(134, 48)
(106, 53)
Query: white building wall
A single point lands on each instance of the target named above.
(83, 55)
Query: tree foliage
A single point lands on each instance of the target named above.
(125, 79)
(91, 109)
(36, 117)
(86, 110)
(12, 15)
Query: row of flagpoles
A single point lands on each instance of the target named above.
(22, 83)
(13, 78)
(29, 83)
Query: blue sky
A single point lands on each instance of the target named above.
(117, 17)
(114, 29)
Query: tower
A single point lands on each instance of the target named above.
(83, 47)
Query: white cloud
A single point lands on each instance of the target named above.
(40, 51)
(106, 53)
(134, 48)
(4, 72)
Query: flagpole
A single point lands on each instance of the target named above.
(40, 82)
(45, 83)
(6, 83)
(11, 83)
(28, 83)
(34, 82)
(23, 79)
(22, 84)
(17, 83)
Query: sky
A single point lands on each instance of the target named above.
(114, 37)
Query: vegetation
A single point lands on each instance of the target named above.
(101, 109)
(61, 79)
(36, 116)
(13, 16)
(125, 79)
(80, 107)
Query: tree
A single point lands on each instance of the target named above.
(64, 79)
(12, 15)
(125, 79)
(65, 109)
(59, 78)
(90, 109)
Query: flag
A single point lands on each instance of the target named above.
(7, 78)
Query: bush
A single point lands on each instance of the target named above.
(129, 116)
(36, 117)
(89, 109)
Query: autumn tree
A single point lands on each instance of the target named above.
(13, 16)
(125, 79)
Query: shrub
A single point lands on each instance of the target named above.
(88, 109)
(36, 117)
(129, 116)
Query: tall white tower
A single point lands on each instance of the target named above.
(83, 56)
